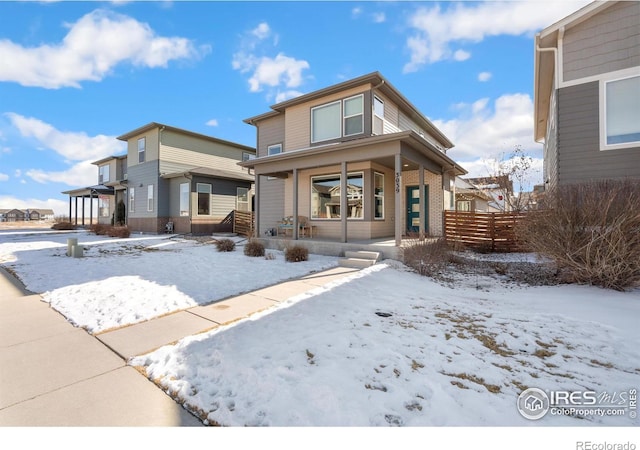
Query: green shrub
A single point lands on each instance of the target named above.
(296, 253)
(254, 248)
(591, 231)
(225, 245)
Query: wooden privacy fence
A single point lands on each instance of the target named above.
(243, 223)
(494, 232)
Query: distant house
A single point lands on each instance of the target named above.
(357, 159)
(19, 215)
(497, 190)
(587, 94)
(471, 199)
(171, 175)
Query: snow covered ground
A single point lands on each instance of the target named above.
(384, 347)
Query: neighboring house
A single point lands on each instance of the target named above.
(352, 159)
(171, 175)
(469, 198)
(496, 189)
(587, 94)
(17, 215)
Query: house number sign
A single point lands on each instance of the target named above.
(397, 182)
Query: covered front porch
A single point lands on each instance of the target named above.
(100, 194)
(391, 186)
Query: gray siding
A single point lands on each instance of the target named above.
(579, 156)
(607, 42)
(271, 203)
(144, 174)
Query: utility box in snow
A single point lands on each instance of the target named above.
(70, 243)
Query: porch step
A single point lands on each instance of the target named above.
(359, 260)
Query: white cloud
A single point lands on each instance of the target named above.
(94, 45)
(74, 146)
(213, 123)
(286, 95)
(435, 29)
(379, 17)
(81, 174)
(483, 130)
(4, 177)
(355, 12)
(59, 207)
(484, 76)
(266, 71)
(18, 173)
(461, 55)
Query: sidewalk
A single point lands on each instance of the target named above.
(54, 374)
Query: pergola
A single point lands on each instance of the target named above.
(90, 192)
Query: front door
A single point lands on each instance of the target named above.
(413, 209)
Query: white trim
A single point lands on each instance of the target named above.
(607, 76)
(269, 147)
(602, 107)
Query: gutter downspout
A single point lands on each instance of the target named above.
(556, 74)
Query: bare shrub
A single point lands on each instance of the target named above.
(119, 232)
(591, 231)
(428, 257)
(99, 229)
(225, 245)
(296, 253)
(254, 248)
(62, 225)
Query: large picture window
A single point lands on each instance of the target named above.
(326, 196)
(204, 199)
(338, 119)
(184, 199)
(622, 115)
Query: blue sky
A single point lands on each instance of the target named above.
(74, 75)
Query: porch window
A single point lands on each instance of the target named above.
(326, 196)
(622, 116)
(184, 199)
(378, 195)
(132, 199)
(142, 148)
(103, 206)
(204, 199)
(242, 199)
(150, 197)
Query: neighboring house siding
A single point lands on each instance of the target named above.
(271, 203)
(580, 158)
(604, 43)
(182, 152)
(270, 132)
(298, 117)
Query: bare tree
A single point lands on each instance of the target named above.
(512, 168)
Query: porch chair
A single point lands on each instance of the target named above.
(168, 228)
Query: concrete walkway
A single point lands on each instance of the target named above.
(54, 374)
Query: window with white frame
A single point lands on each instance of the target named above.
(378, 195)
(103, 206)
(274, 149)
(142, 149)
(132, 199)
(337, 119)
(246, 156)
(242, 199)
(326, 198)
(378, 116)
(621, 113)
(204, 199)
(184, 199)
(464, 205)
(150, 197)
(103, 174)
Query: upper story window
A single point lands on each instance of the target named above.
(378, 116)
(337, 119)
(274, 149)
(246, 156)
(142, 147)
(103, 174)
(621, 113)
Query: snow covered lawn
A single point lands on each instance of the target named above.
(383, 347)
(125, 281)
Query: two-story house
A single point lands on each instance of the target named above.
(171, 175)
(587, 94)
(356, 159)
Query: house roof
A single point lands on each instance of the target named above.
(153, 125)
(109, 158)
(90, 190)
(546, 74)
(42, 212)
(380, 83)
(210, 172)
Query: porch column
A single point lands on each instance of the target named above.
(294, 232)
(69, 208)
(256, 202)
(90, 208)
(76, 211)
(83, 210)
(423, 214)
(344, 203)
(398, 200)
